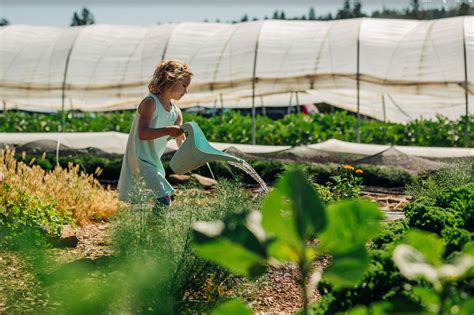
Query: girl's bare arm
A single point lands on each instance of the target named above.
(179, 122)
(146, 110)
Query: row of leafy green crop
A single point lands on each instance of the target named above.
(269, 170)
(155, 263)
(443, 205)
(232, 127)
(421, 265)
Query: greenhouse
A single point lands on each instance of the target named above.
(319, 166)
(391, 70)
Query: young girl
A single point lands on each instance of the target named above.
(156, 119)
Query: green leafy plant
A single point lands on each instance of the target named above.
(434, 284)
(420, 256)
(434, 183)
(347, 184)
(294, 129)
(292, 215)
(449, 215)
(445, 211)
(28, 214)
(164, 234)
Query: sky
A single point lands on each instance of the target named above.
(58, 13)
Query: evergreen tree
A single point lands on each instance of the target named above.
(357, 10)
(245, 18)
(464, 8)
(4, 22)
(275, 15)
(346, 12)
(415, 5)
(282, 15)
(311, 14)
(438, 14)
(85, 18)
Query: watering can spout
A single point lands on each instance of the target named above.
(196, 151)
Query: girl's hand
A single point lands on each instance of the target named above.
(175, 131)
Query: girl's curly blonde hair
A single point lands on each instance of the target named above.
(167, 74)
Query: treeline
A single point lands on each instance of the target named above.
(82, 17)
(349, 10)
(353, 9)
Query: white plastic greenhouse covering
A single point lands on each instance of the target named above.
(407, 69)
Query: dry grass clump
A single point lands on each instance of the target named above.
(75, 194)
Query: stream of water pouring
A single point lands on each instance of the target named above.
(244, 166)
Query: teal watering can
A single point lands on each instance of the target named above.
(196, 151)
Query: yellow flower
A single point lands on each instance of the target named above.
(359, 171)
(348, 167)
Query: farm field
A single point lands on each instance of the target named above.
(314, 162)
(136, 258)
(293, 129)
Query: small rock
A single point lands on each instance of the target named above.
(178, 179)
(205, 182)
(68, 237)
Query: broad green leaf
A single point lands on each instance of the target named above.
(459, 268)
(310, 214)
(279, 221)
(429, 244)
(232, 256)
(350, 224)
(428, 297)
(469, 248)
(379, 308)
(232, 307)
(395, 306)
(402, 305)
(238, 228)
(358, 310)
(412, 264)
(467, 307)
(232, 244)
(348, 268)
(282, 251)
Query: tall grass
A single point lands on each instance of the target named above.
(74, 193)
(163, 235)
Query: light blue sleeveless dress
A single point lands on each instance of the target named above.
(142, 158)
